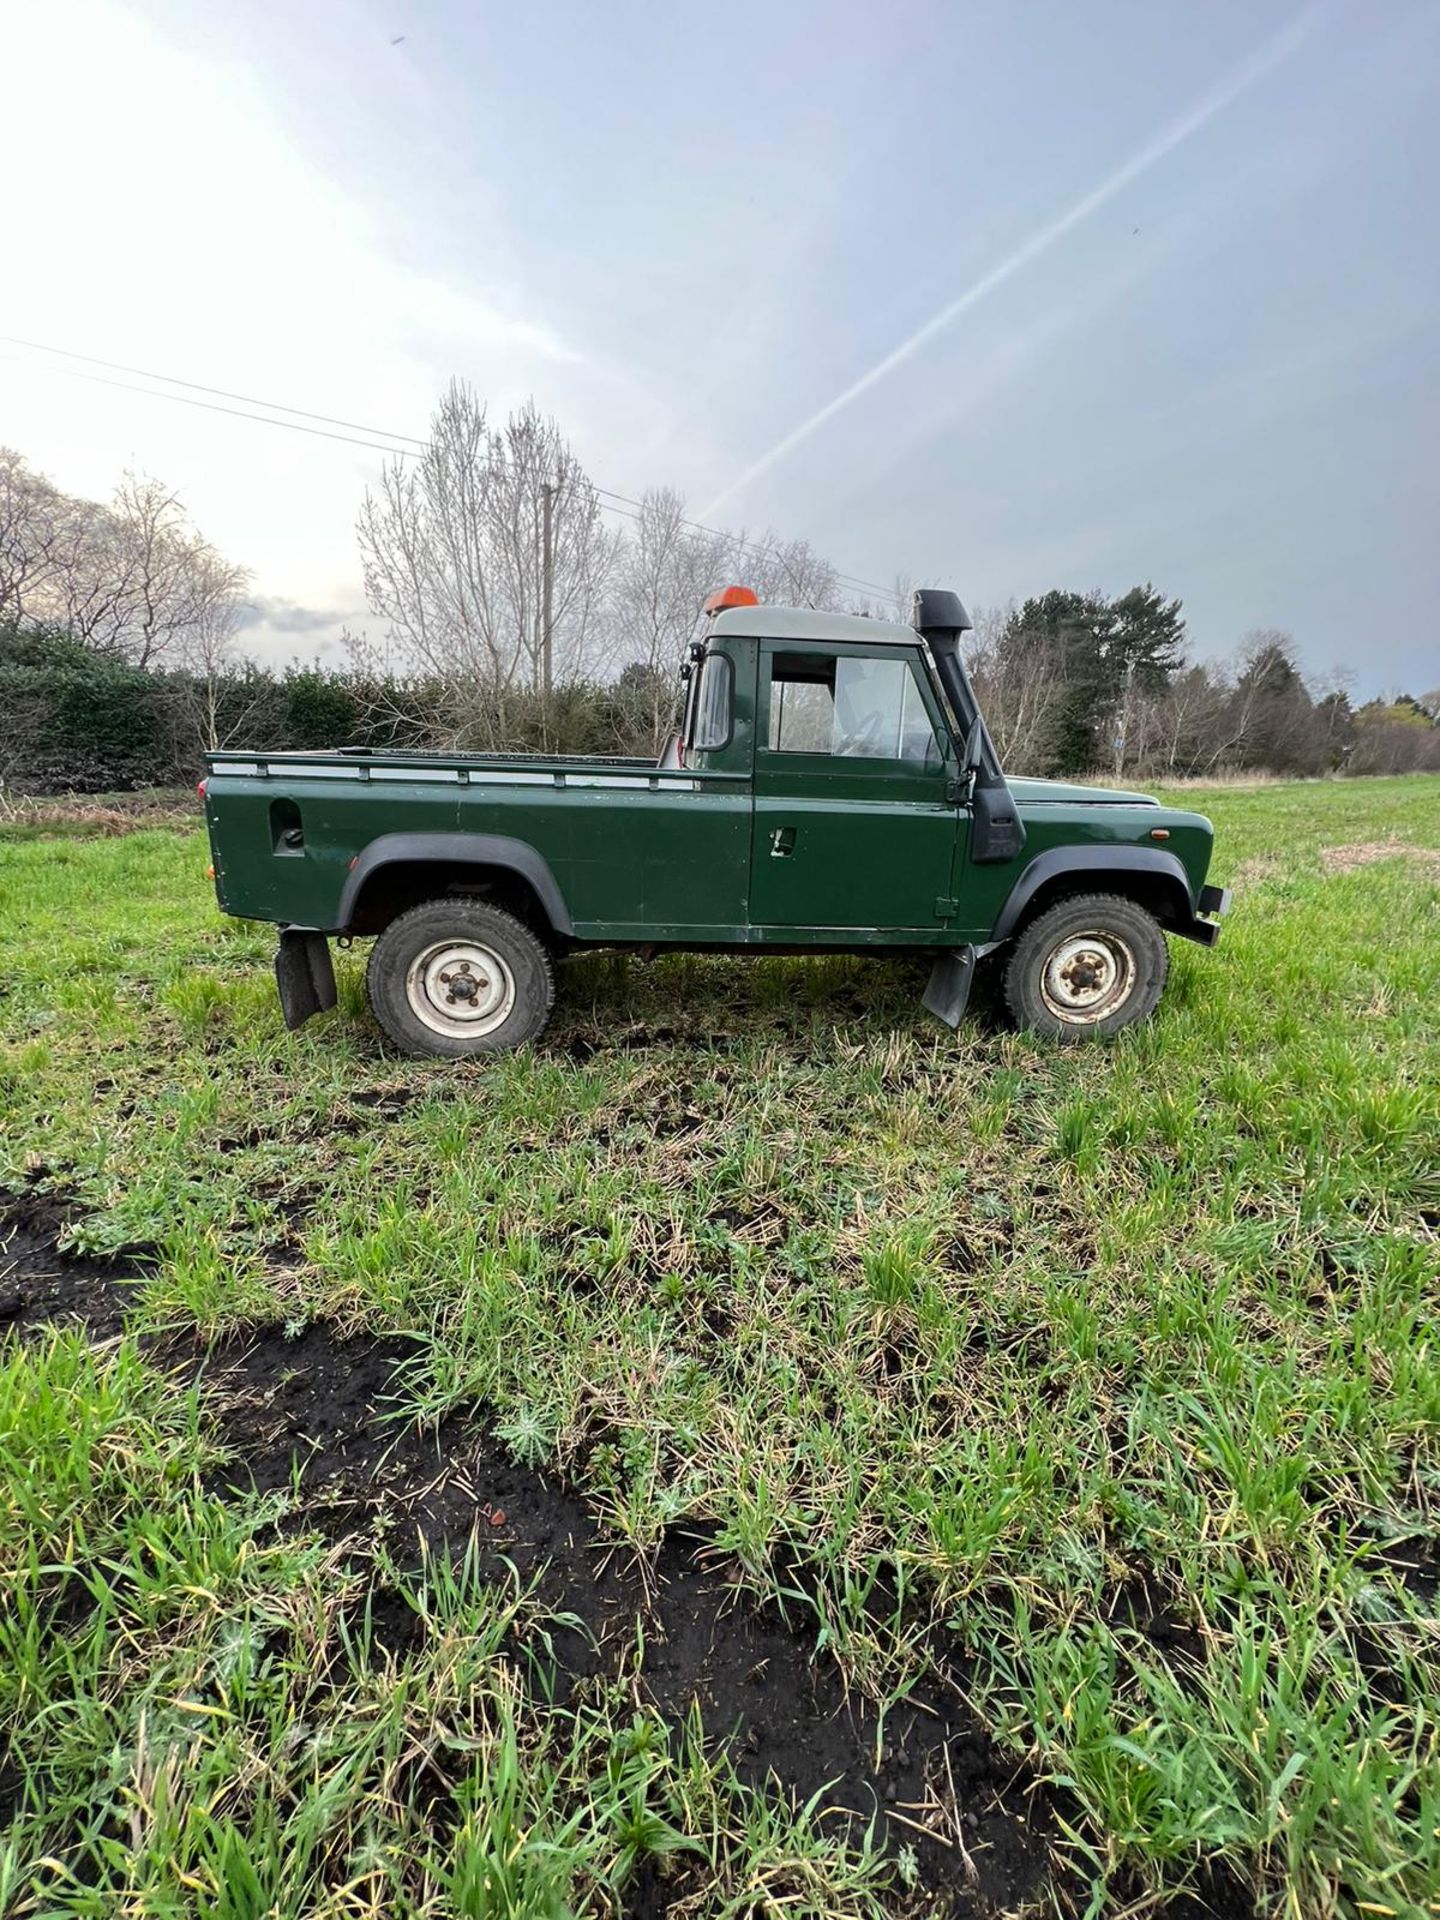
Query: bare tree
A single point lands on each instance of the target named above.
(132, 579)
(205, 657)
(1177, 730)
(31, 512)
(786, 572)
(84, 589)
(1019, 682)
(161, 569)
(530, 463)
(663, 575)
(454, 553)
(879, 605)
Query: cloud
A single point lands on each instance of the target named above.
(264, 271)
(1250, 71)
(288, 616)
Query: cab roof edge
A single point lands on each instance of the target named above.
(807, 623)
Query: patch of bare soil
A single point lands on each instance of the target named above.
(1217, 1892)
(40, 1286)
(1250, 873)
(1366, 853)
(583, 1047)
(1415, 1563)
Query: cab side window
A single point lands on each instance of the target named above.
(713, 704)
(849, 707)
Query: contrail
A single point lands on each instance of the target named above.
(1245, 76)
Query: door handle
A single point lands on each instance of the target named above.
(782, 843)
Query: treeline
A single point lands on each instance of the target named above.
(1074, 683)
(522, 611)
(77, 721)
(72, 720)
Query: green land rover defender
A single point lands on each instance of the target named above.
(833, 786)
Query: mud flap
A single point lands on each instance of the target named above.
(948, 990)
(305, 975)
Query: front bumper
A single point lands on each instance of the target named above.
(1214, 900)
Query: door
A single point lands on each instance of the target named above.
(852, 829)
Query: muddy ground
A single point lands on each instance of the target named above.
(980, 1826)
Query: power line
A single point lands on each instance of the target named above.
(263, 420)
(411, 450)
(185, 400)
(374, 445)
(198, 386)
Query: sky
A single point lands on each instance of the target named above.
(1001, 295)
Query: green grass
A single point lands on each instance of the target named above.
(218, 1736)
(1050, 1343)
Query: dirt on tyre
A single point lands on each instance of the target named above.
(1086, 967)
(456, 977)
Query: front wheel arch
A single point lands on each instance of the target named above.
(1150, 876)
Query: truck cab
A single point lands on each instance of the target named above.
(862, 787)
(833, 785)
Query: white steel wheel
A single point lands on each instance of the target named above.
(460, 988)
(460, 976)
(1087, 977)
(1086, 967)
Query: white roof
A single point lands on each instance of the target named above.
(804, 623)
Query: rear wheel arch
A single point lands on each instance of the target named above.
(400, 871)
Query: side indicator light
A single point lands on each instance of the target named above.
(210, 873)
(1159, 833)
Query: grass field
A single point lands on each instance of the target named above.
(563, 1484)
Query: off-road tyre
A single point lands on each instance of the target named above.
(458, 977)
(1086, 967)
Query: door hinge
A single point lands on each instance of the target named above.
(944, 908)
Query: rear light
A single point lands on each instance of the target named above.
(200, 788)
